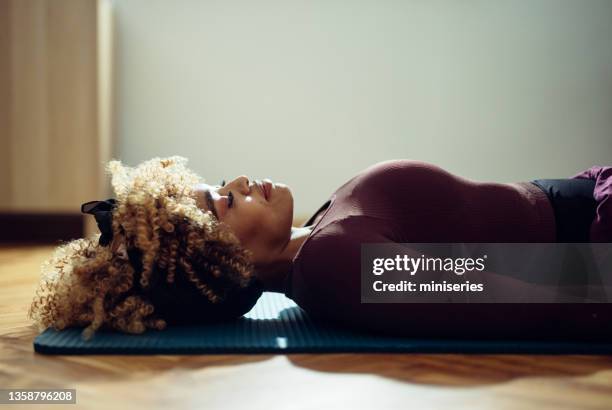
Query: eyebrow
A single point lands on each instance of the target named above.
(210, 203)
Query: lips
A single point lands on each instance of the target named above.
(260, 185)
(267, 185)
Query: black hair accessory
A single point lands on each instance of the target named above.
(103, 212)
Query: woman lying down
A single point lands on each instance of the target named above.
(174, 250)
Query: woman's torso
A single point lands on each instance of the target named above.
(404, 201)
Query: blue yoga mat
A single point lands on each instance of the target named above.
(277, 325)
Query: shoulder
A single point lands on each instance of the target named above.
(334, 251)
(337, 238)
(327, 267)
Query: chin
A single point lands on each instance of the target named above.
(287, 206)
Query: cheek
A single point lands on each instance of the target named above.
(262, 225)
(250, 224)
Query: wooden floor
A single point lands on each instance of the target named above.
(302, 381)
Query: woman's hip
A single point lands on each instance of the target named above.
(573, 204)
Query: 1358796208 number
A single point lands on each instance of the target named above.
(9, 396)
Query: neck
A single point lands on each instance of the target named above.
(273, 273)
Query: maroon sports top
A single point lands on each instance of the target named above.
(414, 201)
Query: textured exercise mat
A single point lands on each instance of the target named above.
(277, 325)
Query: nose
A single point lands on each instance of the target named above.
(241, 183)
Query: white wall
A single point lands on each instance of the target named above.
(308, 93)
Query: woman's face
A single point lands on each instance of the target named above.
(260, 213)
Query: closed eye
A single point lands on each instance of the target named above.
(210, 203)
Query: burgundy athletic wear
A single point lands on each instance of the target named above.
(413, 201)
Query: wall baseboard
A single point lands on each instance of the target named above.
(21, 227)
(48, 228)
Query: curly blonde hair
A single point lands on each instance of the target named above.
(164, 247)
